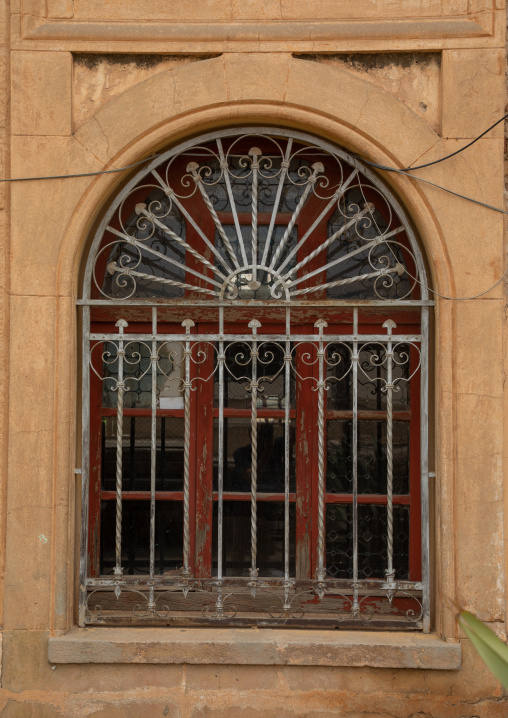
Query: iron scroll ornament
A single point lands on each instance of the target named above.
(151, 243)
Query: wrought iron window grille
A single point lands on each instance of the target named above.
(255, 343)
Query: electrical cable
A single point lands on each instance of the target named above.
(81, 174)
(425, 286)
(434, 162)
(403, 171)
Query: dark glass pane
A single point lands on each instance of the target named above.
(136, 453)
(371, 457)
(339, 396)
(268, 181)
(270, 454)
(270, 532)
(136, 536)
(372, 541)
(138, 374)
(372, 377)
(139, 257)
(238, 375)
(372, 258)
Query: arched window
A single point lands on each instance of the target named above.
(255, 323)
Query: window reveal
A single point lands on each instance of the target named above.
(259, 462)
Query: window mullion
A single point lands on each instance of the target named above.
(390, 573)
(153, 448)
(355, 356)
(254, 324)
(120, 386)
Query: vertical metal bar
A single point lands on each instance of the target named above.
(220, 469)
(321, 324)
(121, 324)
(424, 469)
(355, 358)
(282, 178)
(389, 326)
(225, 169)
(254, 324)
(153, 456)
(187, 323)
(287, 455)
(317, 167)
(336, 196)
(85, 467)
(255, 153)
(193, 167)
(163, 453)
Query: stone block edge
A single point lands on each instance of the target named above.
(254, 647)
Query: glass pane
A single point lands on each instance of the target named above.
(238, 375)
(136, 453)
(270, 531)
(138, 374)
(136, 536)
(238, 454)
(372, 527)
(150, 237)
(372, 377)
(370, 259)
(371, 457)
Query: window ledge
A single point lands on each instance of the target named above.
(251, 646)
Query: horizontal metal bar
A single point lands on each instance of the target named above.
(246, 339)
(143, 583)
(373, 499)
(189, 621)
(267, 303)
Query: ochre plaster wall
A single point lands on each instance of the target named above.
(65, 114)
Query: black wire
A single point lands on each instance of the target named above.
(367, 162)
(81, 174)
(434, 162)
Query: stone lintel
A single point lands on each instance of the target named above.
(253, 646)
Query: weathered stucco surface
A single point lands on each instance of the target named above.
(216, 64)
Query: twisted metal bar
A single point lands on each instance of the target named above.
(114, 267)
(140, 209)
(140, 245)
(397, 269)
(255, 153)
(355, 358)
(221, 358)
(283, 173)
(381, 239)
(225, 169)
(287, 456)
(317, 167)
(369, 207)
(187, 323)
(389, 325)
(171, 194)
(192, 167)
(121, 324)
(333, 199)
(254, 324)
(153, 448)
(321, 324)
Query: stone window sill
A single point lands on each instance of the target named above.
(251, 646)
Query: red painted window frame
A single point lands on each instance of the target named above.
(202, 496)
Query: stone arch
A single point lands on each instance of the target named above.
(241, 90)
(247, 89)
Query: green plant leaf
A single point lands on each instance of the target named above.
(490, 648)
